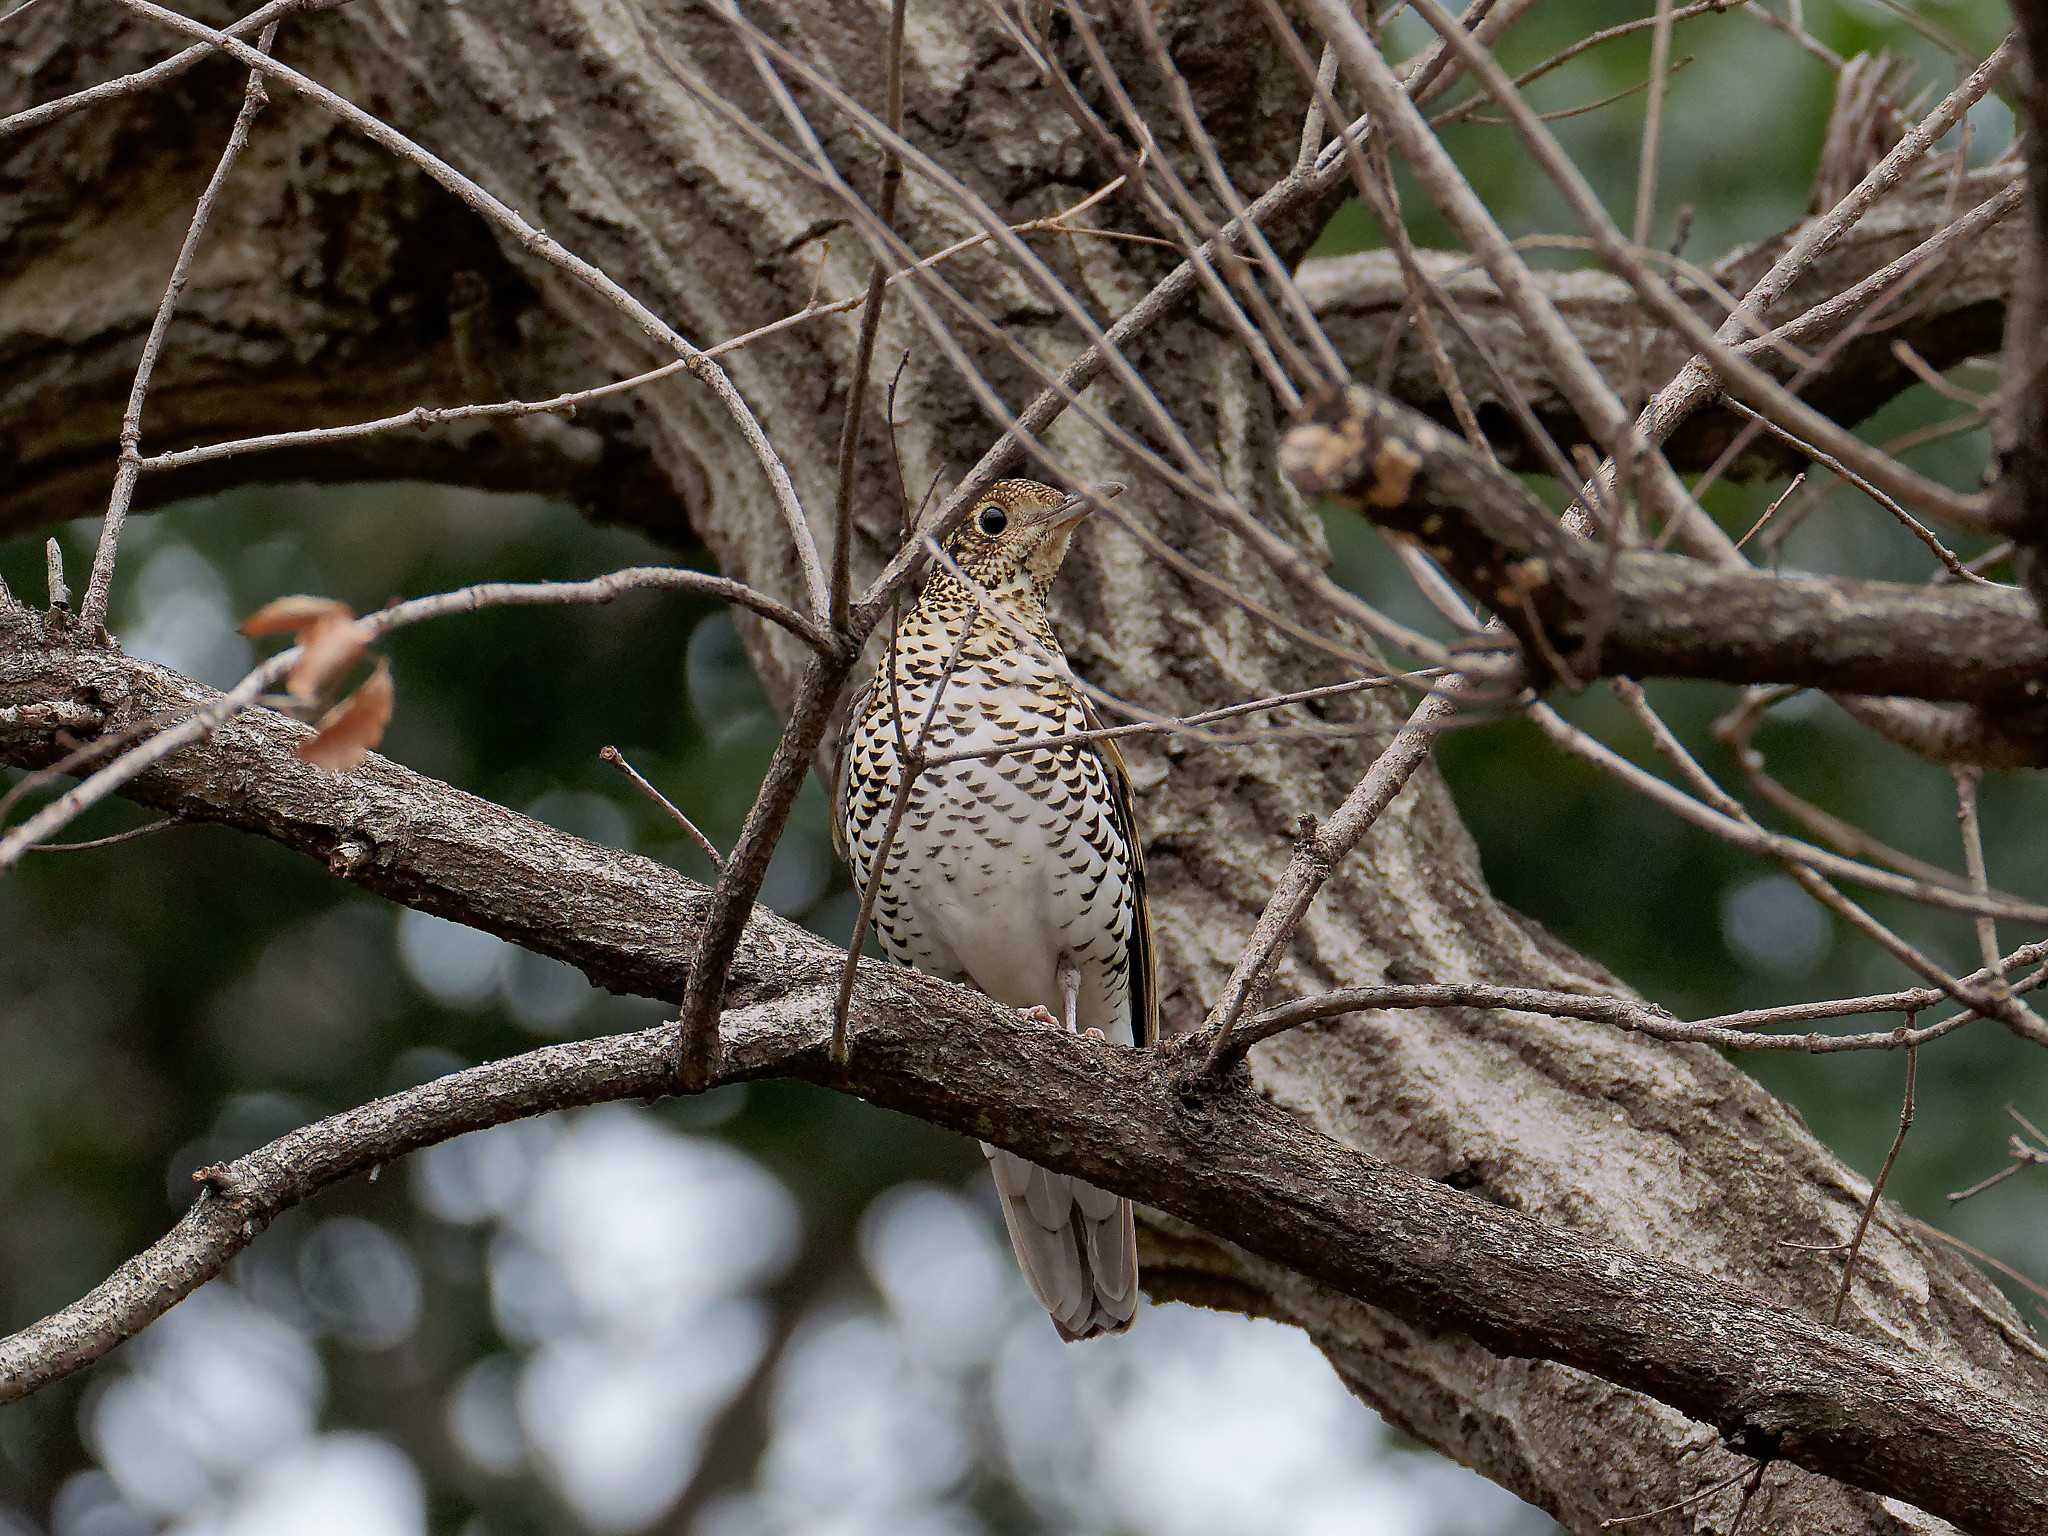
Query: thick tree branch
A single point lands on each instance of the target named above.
(1228, 1161)
(1959, 313)
(342, 286)
(1661, 615)
(230, 370)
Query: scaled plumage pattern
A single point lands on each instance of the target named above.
(1020, 874)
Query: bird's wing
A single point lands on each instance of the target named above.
(1144, 968)
(850, 709)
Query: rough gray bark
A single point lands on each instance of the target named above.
(557, 106)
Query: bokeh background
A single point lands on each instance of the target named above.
(772, 1310)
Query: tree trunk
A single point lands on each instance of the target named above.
(337, 285)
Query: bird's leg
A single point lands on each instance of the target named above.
(1068, 974)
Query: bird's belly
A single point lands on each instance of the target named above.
(999, 885)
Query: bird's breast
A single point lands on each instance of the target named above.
(1001, 864)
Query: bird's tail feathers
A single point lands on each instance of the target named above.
(1077, 1245)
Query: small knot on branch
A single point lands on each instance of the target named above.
(220, 1179)
(1350, 450)
(351, 856)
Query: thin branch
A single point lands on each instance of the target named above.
(1584, 108)
(1720, 1485)
(2019, 1018)
(1877, 1187)
(911, 763)
(1621, 1013)
(157, 74)
(1835, 466)
(252, 688)
(94, 611)
(639, 781)
(1186, 725)
(739, 883)
(133, 834)
(870, 328)
(1591, 40)
(1736, 731)
(597, 590)
(1317, 852)
(2024, 1154)
(1773, 844)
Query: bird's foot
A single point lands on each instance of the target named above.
(1037, 1013)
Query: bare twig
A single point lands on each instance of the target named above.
(1774, 844)
(157, 74)
(864, 344)
(2024, 1155)
(597, 590)
(639, 781)
(252, 688)
(112, 838)
(129, 468)
(1877, 1187)
(1720, 1485)
(1590, 41)
(1316, 853)
(1622, 1013)
(911, 763)
(1835, 466)
(53, 572)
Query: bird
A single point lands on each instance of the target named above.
(1020, 874)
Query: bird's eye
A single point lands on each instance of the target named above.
(993, 521)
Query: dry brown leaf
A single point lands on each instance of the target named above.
(326, 650)
(348, 731)
(294, 615)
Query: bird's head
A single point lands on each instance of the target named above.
(1012, 543)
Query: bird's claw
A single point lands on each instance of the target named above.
(1038, 1013)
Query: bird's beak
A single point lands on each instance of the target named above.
(1069, 513)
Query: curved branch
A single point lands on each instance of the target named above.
(1363, 303)
(1664, 615)
(1771, 1382)
(389, 297)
